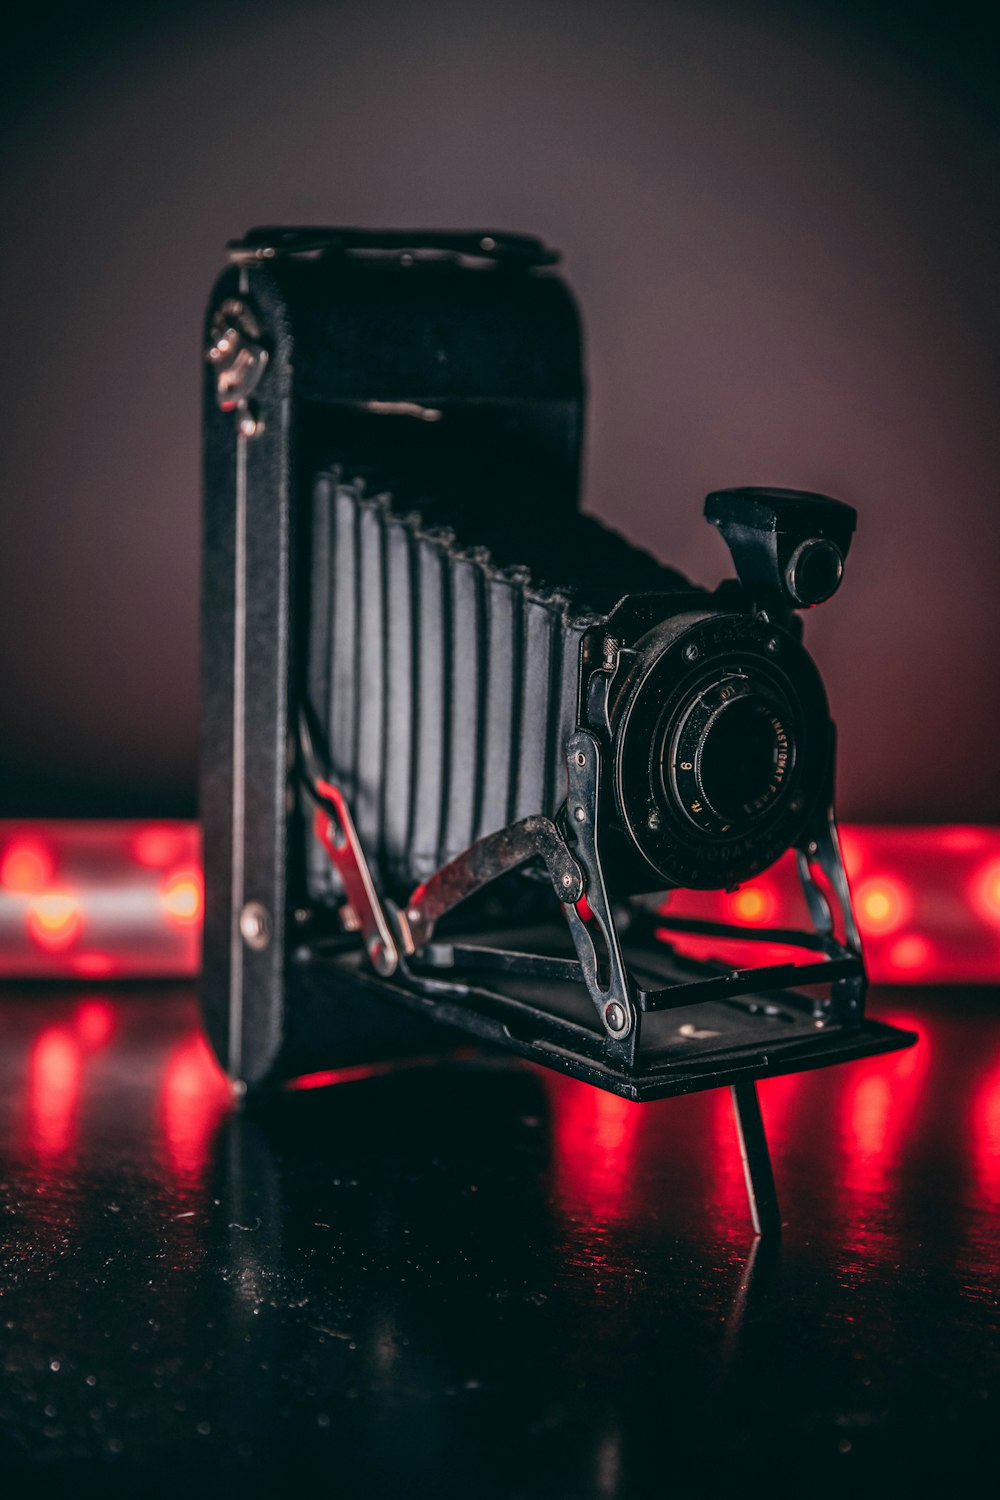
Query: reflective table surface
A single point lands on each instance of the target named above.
(474, 1278)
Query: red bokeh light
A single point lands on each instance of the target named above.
(777, 1102)
(53, 1091)
(595, 1136)
(26, 866)
(882, 903)
(754, 904)
(55, 920)
(158, 847)
(911, 955)
(196, 1095)
(986, 891)
(868, 1115)
(853, 847)
(965, 838)
(182, 897)
(878, 1105)
(94, 1022)
(94, 965)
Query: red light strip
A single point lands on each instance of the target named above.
(116, 899)
(82, 900)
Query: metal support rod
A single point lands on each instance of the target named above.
(757, 1172)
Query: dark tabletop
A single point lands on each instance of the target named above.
(475, 1278)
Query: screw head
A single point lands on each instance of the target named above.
(691, 653)
(255, 925)
(773, 645)
(615, 1017)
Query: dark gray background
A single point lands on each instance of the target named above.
(780, 221)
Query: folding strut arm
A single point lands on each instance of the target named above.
(485, 861)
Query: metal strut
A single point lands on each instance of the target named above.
(757, 1172)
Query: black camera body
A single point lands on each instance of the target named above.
(457, 734)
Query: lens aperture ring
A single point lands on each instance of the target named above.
(729, 758)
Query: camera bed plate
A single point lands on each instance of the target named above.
(708, 1045)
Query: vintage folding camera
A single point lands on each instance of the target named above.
(460, 739)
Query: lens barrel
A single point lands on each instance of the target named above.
(722, 747)
(726, 759)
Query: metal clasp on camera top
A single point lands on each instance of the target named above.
(236, 354)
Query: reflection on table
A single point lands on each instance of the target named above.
(476, 1277)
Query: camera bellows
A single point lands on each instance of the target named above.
(446, 685)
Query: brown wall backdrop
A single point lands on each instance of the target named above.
(780, 221)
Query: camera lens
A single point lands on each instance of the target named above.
(727, 758)
(722, 743)
(737, 760)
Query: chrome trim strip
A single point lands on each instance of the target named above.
(239, 763)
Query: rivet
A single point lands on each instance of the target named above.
(615, 1017)
(249, 425)
(255, 925)
(579, 814)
